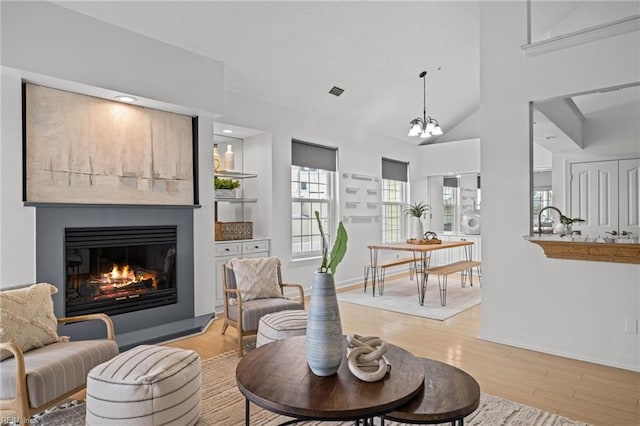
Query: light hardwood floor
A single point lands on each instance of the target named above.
(592, 393)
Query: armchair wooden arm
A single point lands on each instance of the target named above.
(101, 317)
(20, 404)
(231, 291)
(296, 286)
(21, 401)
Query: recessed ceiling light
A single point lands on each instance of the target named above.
(128, 99)
(227, 131)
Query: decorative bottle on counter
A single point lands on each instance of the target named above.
(216, 158)
(228, 159)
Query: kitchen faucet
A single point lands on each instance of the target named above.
(540, 216)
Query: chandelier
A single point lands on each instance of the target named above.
(424, 126)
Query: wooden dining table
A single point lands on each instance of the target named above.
(421, 256)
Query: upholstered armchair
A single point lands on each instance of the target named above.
(252, 288)
(38, 368)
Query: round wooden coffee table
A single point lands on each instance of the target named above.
(276, 377)
(449, 395)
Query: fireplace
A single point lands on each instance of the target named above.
(115, 270)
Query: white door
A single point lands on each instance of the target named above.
(594, 197)
(629, 178)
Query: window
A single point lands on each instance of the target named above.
(455, 203)
(394, 200)
(312, 187)
(542, 197)
(450, 203)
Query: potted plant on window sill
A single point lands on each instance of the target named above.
(225, 188)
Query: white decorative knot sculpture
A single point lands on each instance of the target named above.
(365, 356)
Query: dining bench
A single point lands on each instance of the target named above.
(443, 271)
(381, 273)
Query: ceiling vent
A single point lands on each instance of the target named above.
(335, 90)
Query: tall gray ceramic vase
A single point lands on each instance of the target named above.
(323, 345)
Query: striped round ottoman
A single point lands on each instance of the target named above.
(280, 325)
(147, 385)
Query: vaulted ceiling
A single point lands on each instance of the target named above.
(292, 53)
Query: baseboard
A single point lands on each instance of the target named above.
(635, 368)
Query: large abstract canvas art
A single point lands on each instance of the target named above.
(88, 150)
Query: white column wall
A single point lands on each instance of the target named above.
(567, 307)
(17, 223)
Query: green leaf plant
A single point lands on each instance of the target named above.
(568, 221)
(331, 262)
(223, 183)
(417, 210)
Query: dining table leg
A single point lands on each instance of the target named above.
(424, 277)
(373, 261)
(468, 255)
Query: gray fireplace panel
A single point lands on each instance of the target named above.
(51, 222)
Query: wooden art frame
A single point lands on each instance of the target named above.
(80, 149)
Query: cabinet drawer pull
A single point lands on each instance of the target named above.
(256, 247)
(226, 249)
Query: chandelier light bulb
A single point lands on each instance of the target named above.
(430, 126)
(424, 126)
(415, 128)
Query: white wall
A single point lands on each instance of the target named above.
(566, 307)
(257, 154)
(358, 152)
(452, 157)
(17, 223)
(49, 44)
(54, 41)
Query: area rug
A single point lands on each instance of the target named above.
(223, 405)
(401, 295)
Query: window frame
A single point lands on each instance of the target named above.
(402, 230)
(327, 221)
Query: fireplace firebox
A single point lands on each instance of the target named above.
(115, 270)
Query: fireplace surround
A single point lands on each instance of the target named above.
(53, 266)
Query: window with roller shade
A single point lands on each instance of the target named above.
(394, 199)
(313, 178)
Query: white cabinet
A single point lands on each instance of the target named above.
(255, 247)
(227, 250)
(443, 257)
(606, 194)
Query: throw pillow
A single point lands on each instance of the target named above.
(26, 317)
(256, 278)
